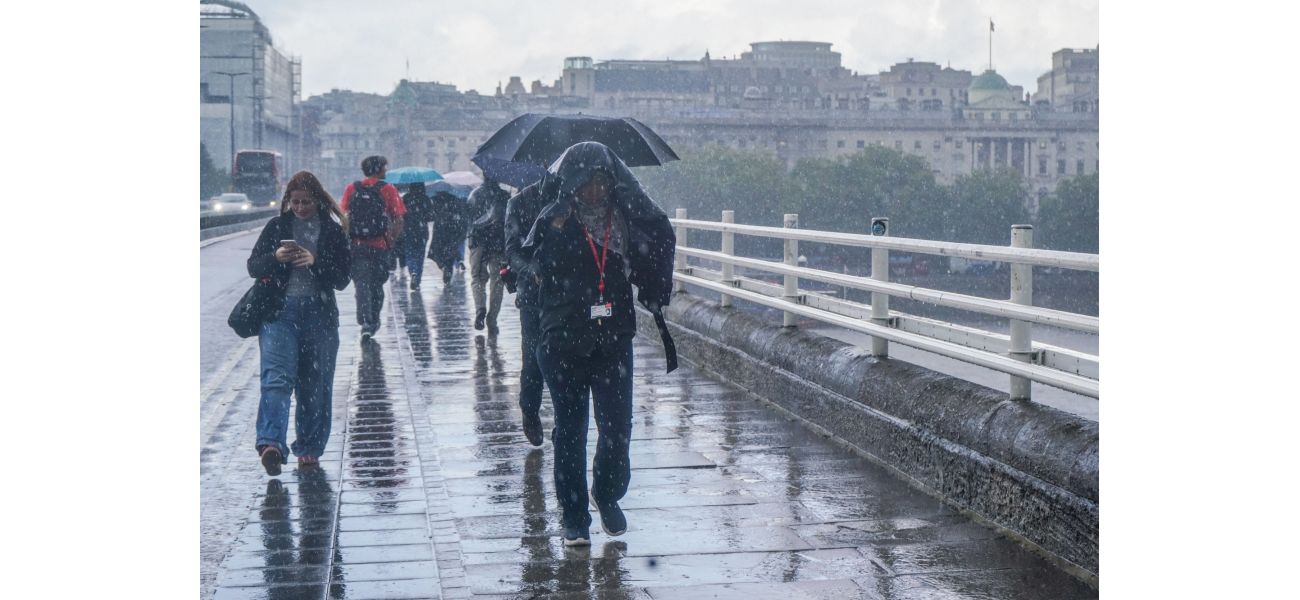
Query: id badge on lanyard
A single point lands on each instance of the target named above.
(601, 309)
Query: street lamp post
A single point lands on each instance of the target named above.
(232, 77)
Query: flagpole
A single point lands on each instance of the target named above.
(990, 44)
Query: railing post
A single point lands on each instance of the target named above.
(880, 301)
(680, 260)
(1022, 292)
(791, 294)
(728, 248)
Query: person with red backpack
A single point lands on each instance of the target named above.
(374, 210)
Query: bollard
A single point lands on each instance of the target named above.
(880, 301)
(791, 294)
(679, 262)
(1022, 292)
(728, 248)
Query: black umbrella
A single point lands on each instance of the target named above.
(536, 140)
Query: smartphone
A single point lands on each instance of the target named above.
(289, 243)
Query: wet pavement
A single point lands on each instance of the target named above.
(428, 489)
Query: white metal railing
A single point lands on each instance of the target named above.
(1015, 354)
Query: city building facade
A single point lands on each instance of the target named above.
(244, 78)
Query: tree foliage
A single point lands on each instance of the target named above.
(980, 208)
(844, 193)
(1068, 218)
(212, 181)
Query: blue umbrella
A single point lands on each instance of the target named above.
(411, 175)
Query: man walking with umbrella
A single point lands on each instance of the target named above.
(487, 251)
(415, 234)
(599, 235)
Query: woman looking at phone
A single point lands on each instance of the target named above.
(303, 252)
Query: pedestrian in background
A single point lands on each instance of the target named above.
(449, 230)
(521, 211)
(415, 230)
(487, 251)
(599, 234)
(304, 251)
(374, 210)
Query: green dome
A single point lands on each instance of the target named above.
(989, 80)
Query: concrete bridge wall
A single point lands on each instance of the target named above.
(1028, 469)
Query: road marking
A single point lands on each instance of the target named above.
(216, 412)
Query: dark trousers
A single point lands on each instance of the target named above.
(606, 375)
(369, 273)
(530, 376)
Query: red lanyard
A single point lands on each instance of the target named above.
(604, 252)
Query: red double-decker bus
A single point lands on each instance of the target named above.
(257, 175)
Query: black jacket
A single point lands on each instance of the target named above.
(333, 260)
(449, 225)
(521, 212)
(562, 257)
(415, 225)
(488, 206)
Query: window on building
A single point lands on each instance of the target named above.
(909, 91)
(916, 145)
(862, 143)
(934, 92)
(1013, 115)
(1060, 147)
(1042, 167)
(803, 144)
(821, 144)
(898, 144)
(997, 116)
(1079, 146)
(1060, 166)
(740, 143)
(937, 145)
(958, 144)
(839, 144)
(1078, 167)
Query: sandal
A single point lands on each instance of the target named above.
(271, 459)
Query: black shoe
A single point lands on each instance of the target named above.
(492, 327)
(480, 319)
(446, 276)
(612, 521)
(533, 428)
(577, 536)
(415, 284)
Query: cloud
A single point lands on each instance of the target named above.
(365, 46)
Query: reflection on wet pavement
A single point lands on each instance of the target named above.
(433, 492)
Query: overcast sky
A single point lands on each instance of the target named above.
(364, 46)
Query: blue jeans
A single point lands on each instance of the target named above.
(607, 375)
(414, 261)
(298, 354)
(530, 376)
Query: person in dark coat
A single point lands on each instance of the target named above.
(599, 235)
(487, 251)
(521, 212)
(415, 231)
(304, 252)
(449, 230)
